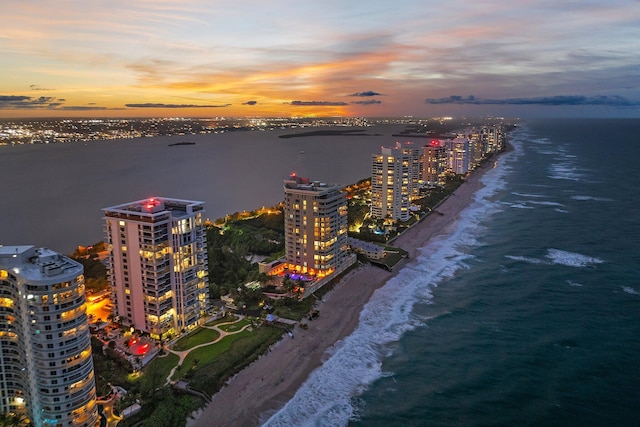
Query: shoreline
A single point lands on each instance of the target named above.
(263, 387)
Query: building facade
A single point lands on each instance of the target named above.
(434, 162)
(46, 369)
(395, 177)
(458, 150)
(315, 226)
(158, 264)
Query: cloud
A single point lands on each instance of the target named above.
(159, 105)
(318, 103)
(367, 102)
(22, 102)
(615, 101)
(86, 108)
(36, 87)
(366, 93)
(250, 103)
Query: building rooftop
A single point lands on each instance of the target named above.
(155, 207)
(295, 182)
(36, 264)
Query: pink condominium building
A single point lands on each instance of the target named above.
(158, 264)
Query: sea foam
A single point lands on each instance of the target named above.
(328, 396)
(571, 259)
(560, 257)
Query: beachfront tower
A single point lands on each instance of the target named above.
(315, 226)
(434, 161)
(46, 369)
(158, 264)
(395, 175)
(458, 150)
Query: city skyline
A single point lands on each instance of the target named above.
(162, 58)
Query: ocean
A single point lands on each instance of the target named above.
(528, 314)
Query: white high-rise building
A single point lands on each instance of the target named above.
(46, 369)
(458, 155)
(315, 226)
(395, 176)
(159, 269)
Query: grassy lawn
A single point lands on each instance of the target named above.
(206, 355)
(228, 356)
(226, 319)
(234, 327)
(197, 337)
(163, 364)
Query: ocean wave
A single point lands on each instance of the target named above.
(561, 210)
(530, 260)
(528, 195)
(559, 257)
(597, 199)
(571, 259)
(546, 203)
(520, 206)
(329, 396)
(564, 171)
(630, 290)
(574, 284)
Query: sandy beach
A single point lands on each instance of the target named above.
(268, 383)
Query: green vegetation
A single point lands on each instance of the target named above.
(109, 368)
(216, 363)
(95, 272)
(236, 326)
(13, 420)
(160, 366)
(168, 408)
(231, 242)
(197, 337)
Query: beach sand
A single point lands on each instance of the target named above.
(268, 383)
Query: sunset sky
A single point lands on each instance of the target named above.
(207, 58)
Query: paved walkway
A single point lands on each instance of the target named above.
(184, 353)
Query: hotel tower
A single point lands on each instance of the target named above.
(315, 226)
(158, 264)
(46, 369)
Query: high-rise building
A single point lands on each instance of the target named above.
(46, 369)
(395, 176)
(315, 226)
(158, 264)
(458, 150)
(434, 162)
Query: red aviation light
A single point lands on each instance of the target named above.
(151, 203)
(435, 143)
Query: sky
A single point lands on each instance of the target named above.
(305, 58)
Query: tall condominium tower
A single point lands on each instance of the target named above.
(458, 155)
(395, 174)
(434, 162)
(46, 369)
(315, 226)
(159, 268)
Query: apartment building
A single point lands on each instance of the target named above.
(158, 264)
(434, 162)
(315, 221)
(395, 178)
(46, 369)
